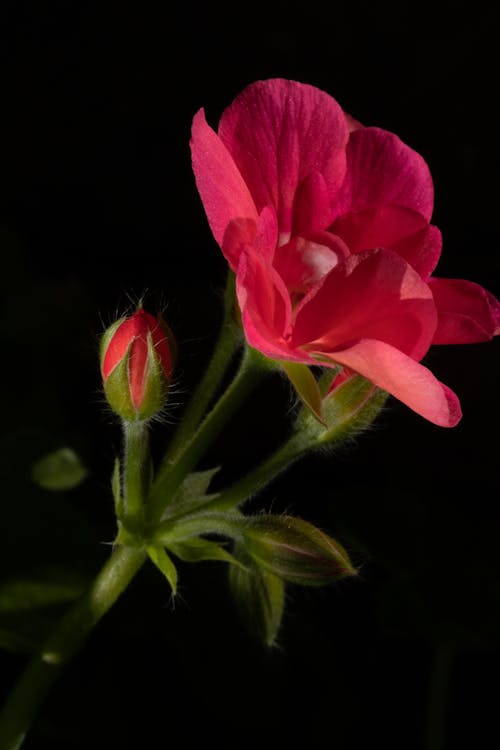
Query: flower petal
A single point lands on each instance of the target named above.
(265, 306)
(261, 236)
(375, 295)
(313, 207)
(382, 170)
(401, 230)
(467, 313)
(222, 189)
(402, 377)
(305, 261)
(278, 133)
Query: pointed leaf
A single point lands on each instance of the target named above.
(197, 550)
(195, 486)
(59, 470)
(306, 386)
(163, 562)
(260, 597)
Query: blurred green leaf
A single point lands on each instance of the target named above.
(60, 470)
(19, 595)
(25, 634)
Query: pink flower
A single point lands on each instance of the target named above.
(326, 224)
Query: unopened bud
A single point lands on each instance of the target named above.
(136, 365)
(295, 550)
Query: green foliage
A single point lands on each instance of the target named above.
(59, 470)
(163, 562)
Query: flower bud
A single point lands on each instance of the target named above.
(136, 365)
(295, 550)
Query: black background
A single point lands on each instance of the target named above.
(99, 206)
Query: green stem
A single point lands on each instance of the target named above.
(225, 348)
(438, 697)
(172, 474)
(136, 466)
(298, 444)
(43, 670)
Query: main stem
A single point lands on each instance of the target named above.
(43, 670)
(70, 635)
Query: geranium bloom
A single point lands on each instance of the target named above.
(326, 224)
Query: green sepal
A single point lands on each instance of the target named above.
(350, 408)
(197, 550)
(117, 389)
(306, 387)
(347, 410)
(155, 385)
(59, 470)
(163, 562)
(295, 550)
(259, 597)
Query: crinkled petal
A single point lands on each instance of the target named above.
(222, 188)
(265, 305)
(304, 261)
(278, 133)
(467, 313)
(402, 377)
(401, 230)
(313, 207)
(374, 294)
(382, 170)
(260, 235)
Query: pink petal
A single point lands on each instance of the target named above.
(305, 261)
(351, 123)
(467, 313)
(382, 170)
(375, 295)
(401, 230)
(222, 189)
(402, 377)
(312, 208)
(261, 236)
(265, 305)
(278, 133)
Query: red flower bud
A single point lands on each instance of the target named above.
(136, 365)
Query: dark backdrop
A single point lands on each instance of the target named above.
(98, 206)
